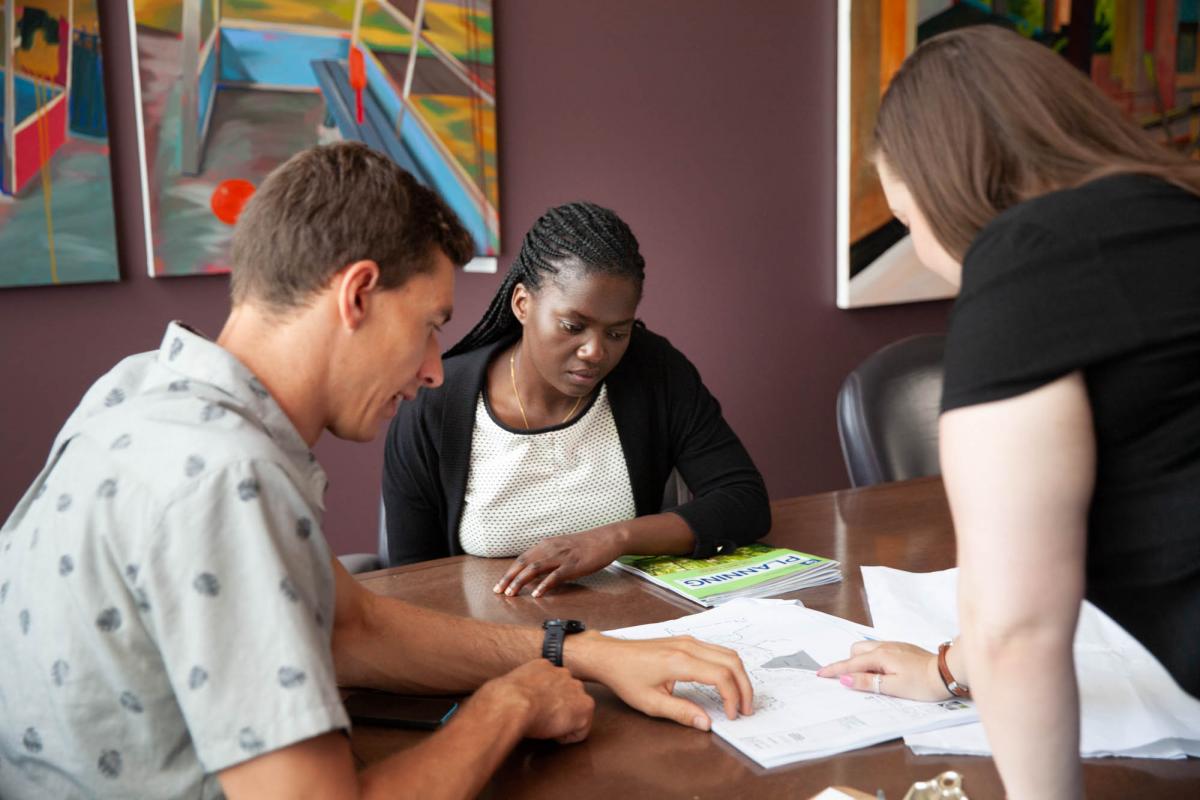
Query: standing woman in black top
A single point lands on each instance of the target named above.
(1070, 428)
(559, 423)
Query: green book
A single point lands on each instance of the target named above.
(756, 570)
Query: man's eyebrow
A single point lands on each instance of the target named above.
(446, 313)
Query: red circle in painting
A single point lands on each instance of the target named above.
(229, 197)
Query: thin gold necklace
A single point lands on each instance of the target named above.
(512, 373)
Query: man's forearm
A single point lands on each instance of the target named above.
(1025, 687)
(400, 647)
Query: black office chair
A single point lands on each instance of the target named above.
(367, 562)
(887, 412)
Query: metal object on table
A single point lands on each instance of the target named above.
(947, 786)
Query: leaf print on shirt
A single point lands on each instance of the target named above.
(176, 346)
(109, 764)
(64, 502)
(193, 466)
(288, 590)
(32, 740)
(107, 489)
(290, 677)
(249, 740)
(108, 620)
(178, 386)
(207, 584)
(121, 442)
(248, 489)
(114, 398)
(130, 702)
(139, 597)
(304, 527)
(3, 591)
(24, 618)
(66, 565)
(59, 671)
(131, 572)
(197, 677)
(212, 411)
(259, 390)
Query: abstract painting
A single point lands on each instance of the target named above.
(1143, 54)
(230, 89)
(56, 200)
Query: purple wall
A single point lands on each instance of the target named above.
(707, 126)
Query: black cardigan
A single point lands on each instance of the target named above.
(665, 418)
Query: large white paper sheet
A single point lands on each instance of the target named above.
(797, 716)
(1130, 706)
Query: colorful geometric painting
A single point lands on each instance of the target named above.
(232, 88)
(56, 201)
(1141, 53)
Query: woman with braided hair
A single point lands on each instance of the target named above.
(560, 421)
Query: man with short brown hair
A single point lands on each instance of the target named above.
(173, 621)
(339, 205)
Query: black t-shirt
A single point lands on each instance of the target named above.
(1105, 278)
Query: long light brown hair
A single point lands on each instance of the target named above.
(979, 119)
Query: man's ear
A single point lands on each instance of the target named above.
(352, 285)
(521, 298)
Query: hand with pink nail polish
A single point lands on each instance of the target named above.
(907, 670)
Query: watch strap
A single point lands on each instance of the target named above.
(952, 686)
(556, 631)
(552, 644)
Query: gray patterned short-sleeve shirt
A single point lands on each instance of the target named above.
(166, 593)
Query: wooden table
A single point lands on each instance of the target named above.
(628, 755)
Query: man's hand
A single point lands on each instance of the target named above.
(561, 558)
(553, 703)
(534, 700)
(643, 674)
(904, 670)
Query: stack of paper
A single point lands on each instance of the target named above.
(1130, 706)
(755, 570)
(797, 715)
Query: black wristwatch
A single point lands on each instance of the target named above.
(557, 630)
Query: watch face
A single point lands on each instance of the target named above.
(568, 625)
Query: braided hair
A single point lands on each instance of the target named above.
(593, 236)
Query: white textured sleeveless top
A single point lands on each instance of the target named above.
(525, 487)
